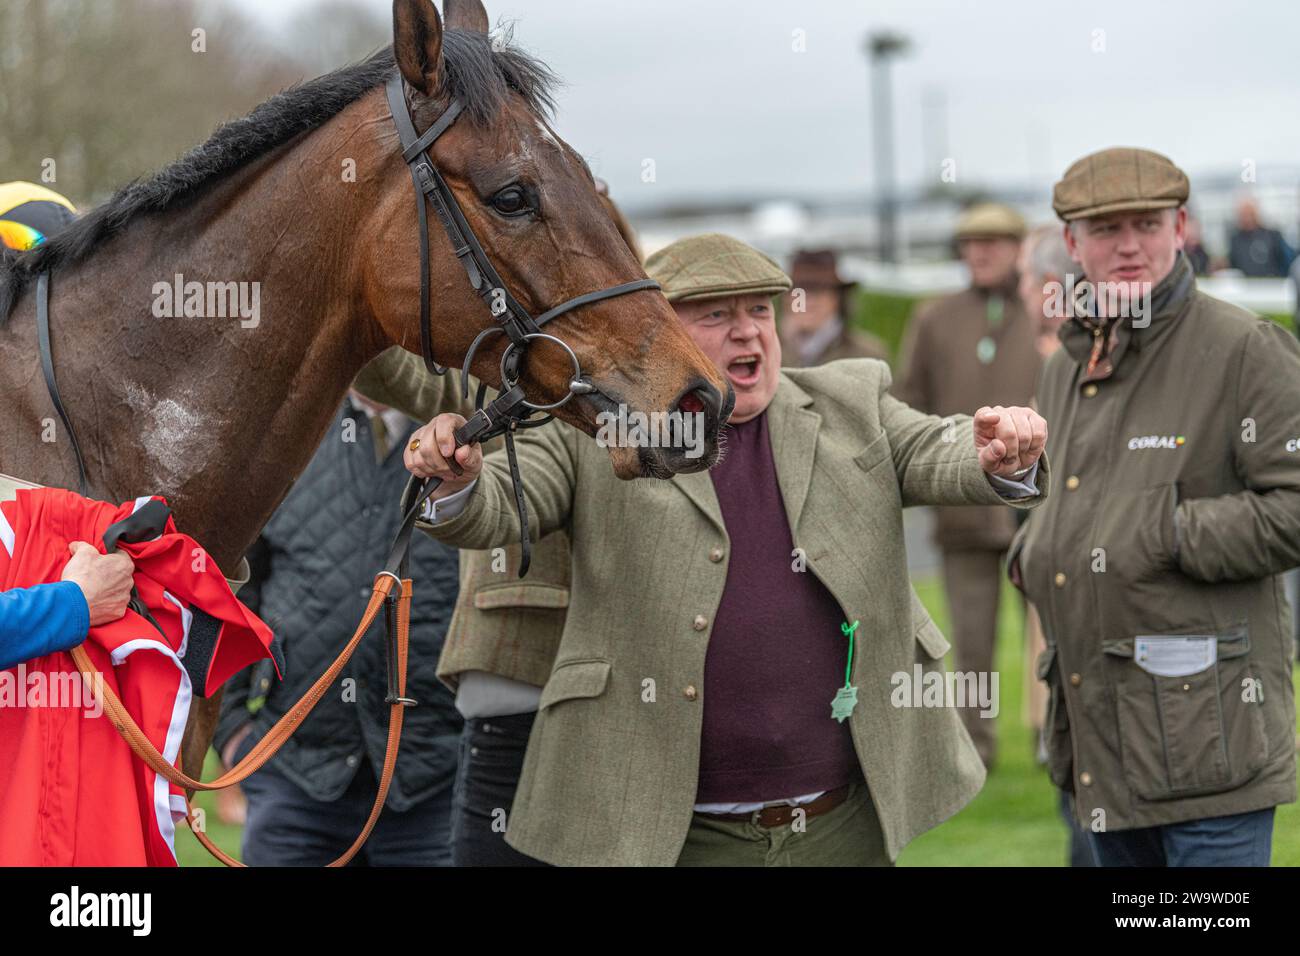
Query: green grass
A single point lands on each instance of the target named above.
(884, 314)
(1013, 822)
(188, 850)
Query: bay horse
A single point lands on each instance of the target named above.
(308, 202)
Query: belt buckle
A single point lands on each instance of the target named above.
(756, 817)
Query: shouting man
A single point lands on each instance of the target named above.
(725, 691)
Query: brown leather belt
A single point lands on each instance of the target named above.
(782, 815)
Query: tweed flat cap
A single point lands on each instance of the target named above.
(713, 266)
(990, 220)
(1120, 179)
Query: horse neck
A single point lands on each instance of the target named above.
(219, 415)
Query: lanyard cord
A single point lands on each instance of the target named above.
(848, 631)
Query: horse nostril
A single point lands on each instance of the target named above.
(691, 403)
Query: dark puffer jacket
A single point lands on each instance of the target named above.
(313, 568)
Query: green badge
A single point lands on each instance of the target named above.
(985, 349)
(846, 698)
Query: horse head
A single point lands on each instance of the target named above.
(534, 207)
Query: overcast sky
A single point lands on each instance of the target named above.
(713, 92)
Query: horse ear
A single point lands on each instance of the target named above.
(417, 43)
(467, 15)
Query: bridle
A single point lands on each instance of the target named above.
(510, 410)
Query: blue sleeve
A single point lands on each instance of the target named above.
(41, 619)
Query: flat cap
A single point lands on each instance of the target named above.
(990, 220)
(714, 266)
(1120, 179)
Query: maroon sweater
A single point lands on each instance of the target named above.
(776, 655)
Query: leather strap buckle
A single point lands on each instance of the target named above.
(424, 173)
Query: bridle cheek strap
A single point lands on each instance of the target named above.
(510, 410)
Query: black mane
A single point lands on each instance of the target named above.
(479, 76)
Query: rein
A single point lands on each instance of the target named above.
(392, 588)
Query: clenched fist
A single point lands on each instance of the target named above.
(1009, 440)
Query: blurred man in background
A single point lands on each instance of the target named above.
(1194, 247)
(1254, 249)
(1044, 260)
(1174, 418)
(975, 347)
(817, 315)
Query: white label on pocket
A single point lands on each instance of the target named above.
(1175, 656)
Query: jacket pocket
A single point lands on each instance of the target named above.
(574, 680)
(932, 640)
(1189, 735)
(1056, 726)
(926, 632)
(510, 594)
(874, 454)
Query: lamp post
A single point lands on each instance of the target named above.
(880, 48)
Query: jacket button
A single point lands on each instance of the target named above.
(1075, 680)
(690, 693)
(715, 555)
(366, 592)
(1085, 778)
(1072, 482)
(1089, 391)
(1059, 580)
(700, 622)
(353, 760)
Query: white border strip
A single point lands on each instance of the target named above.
(163, 809)
(6, 534)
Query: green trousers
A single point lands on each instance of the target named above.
(848, 835)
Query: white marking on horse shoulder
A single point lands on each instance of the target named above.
(172, 436)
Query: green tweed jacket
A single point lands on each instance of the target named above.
(502, 625)
(611, 772)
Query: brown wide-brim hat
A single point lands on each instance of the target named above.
(1120, 179)
(714, 266)
(817, 269)
(990, 220)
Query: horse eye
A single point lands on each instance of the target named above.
(511, 201)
